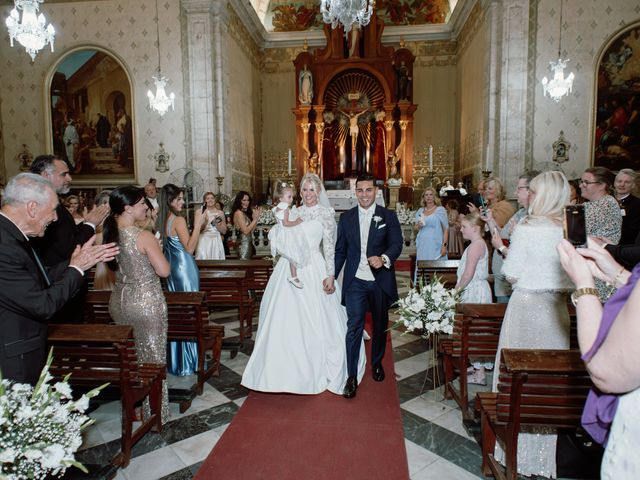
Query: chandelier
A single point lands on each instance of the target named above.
(160, 102)
(346, 12)
(558, 86)
(30, 32)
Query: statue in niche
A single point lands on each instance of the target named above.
(403, 81)
(392, 166)
(305, 85)
(313, 164)
(353, 41)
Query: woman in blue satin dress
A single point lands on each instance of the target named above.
(178, 246)
(432, 225)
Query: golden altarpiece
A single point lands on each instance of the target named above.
(354, 108)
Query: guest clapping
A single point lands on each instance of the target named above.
(210, 246)
(494, 195)
(245, 218)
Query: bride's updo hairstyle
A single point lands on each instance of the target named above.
(551, 194)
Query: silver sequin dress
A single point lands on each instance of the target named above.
(137, 300)
(244, 247)
(536, 317)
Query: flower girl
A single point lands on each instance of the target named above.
(285, 239)
(473, 273)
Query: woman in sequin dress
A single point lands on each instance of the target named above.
(178, 246)
(601, 211)
(245, 220)
(137, 297)
(537, 316)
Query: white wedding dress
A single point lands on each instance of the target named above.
(300, 344)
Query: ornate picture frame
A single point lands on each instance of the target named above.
(561, 149)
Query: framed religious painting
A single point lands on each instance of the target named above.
(617, 116)
(91, 124)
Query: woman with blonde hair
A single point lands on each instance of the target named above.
(72, 202)
(432, 225)
(537, 315)
(494, 196)
(214, 225)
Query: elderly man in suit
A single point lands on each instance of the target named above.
(30, 293)
(62, 237)
(368, 244)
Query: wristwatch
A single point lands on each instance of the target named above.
(444, 244)
(582, 291)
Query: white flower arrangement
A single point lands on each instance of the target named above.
(405, 216)
(429, 309)
(267, 217)
(40, 427)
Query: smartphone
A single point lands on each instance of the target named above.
(575, 228)
(204, 207)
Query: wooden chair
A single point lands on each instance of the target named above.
(99, 354)
(476, 331)
(258, 272)
(445, 269)
(227, 289)
(188, 322)
(542, 388)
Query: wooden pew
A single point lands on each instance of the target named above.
(258, 272)
(445, 269)
(99, 354)
(544, 388)
(476, 331)
(226, 289)
(96, 308)
(188, 321)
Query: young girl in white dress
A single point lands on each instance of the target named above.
(286, 240)
(210, 246)
(473, 273)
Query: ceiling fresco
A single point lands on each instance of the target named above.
(292, 16)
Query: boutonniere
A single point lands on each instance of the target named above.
(377, 219)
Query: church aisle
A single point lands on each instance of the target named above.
(436, 443)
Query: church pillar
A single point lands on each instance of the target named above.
(506, 154)
(204, 23)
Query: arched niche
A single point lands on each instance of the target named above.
(616, 116)
(90, 120)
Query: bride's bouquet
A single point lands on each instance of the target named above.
(40, 427)
(428, 309)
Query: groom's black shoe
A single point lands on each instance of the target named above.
(350, 388)
(378, 372)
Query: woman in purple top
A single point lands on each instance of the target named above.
(608, 337)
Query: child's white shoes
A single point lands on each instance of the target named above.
(295, 281)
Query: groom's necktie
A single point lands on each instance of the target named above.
(40, 267)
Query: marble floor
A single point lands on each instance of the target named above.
(438, 447)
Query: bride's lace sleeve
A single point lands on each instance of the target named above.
(329, 239)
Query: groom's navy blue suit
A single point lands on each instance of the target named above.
(360, 296)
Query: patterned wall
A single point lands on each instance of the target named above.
(586, 28)
(128, 31)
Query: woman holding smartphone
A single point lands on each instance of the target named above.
(493, 200)
(214, 225)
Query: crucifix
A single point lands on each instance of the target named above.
(353, 115)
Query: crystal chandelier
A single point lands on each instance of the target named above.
(160, 102)
(558, 86)
(346, 12)
(31, 31)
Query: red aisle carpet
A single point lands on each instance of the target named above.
(304, 437)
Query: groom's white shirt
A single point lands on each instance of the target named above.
(364, 270)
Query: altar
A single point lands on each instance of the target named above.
(343, 200)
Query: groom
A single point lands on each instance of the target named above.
(369, 242)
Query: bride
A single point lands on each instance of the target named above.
(300, 344)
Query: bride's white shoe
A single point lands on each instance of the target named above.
(295, 281)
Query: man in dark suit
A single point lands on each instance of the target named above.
(63, 236)
(30, 293)
(368, 244)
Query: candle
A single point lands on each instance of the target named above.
(289, 161)
(220, 166)
(430, 157)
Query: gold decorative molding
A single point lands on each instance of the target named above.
(239, 33)
(471, 27)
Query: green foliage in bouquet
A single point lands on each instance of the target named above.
(40, 427)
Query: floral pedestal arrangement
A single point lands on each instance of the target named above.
(40, 427)
(428, 310)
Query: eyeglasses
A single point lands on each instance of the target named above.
(522, 188)
(585, 182)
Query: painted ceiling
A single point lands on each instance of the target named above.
(299, 15)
